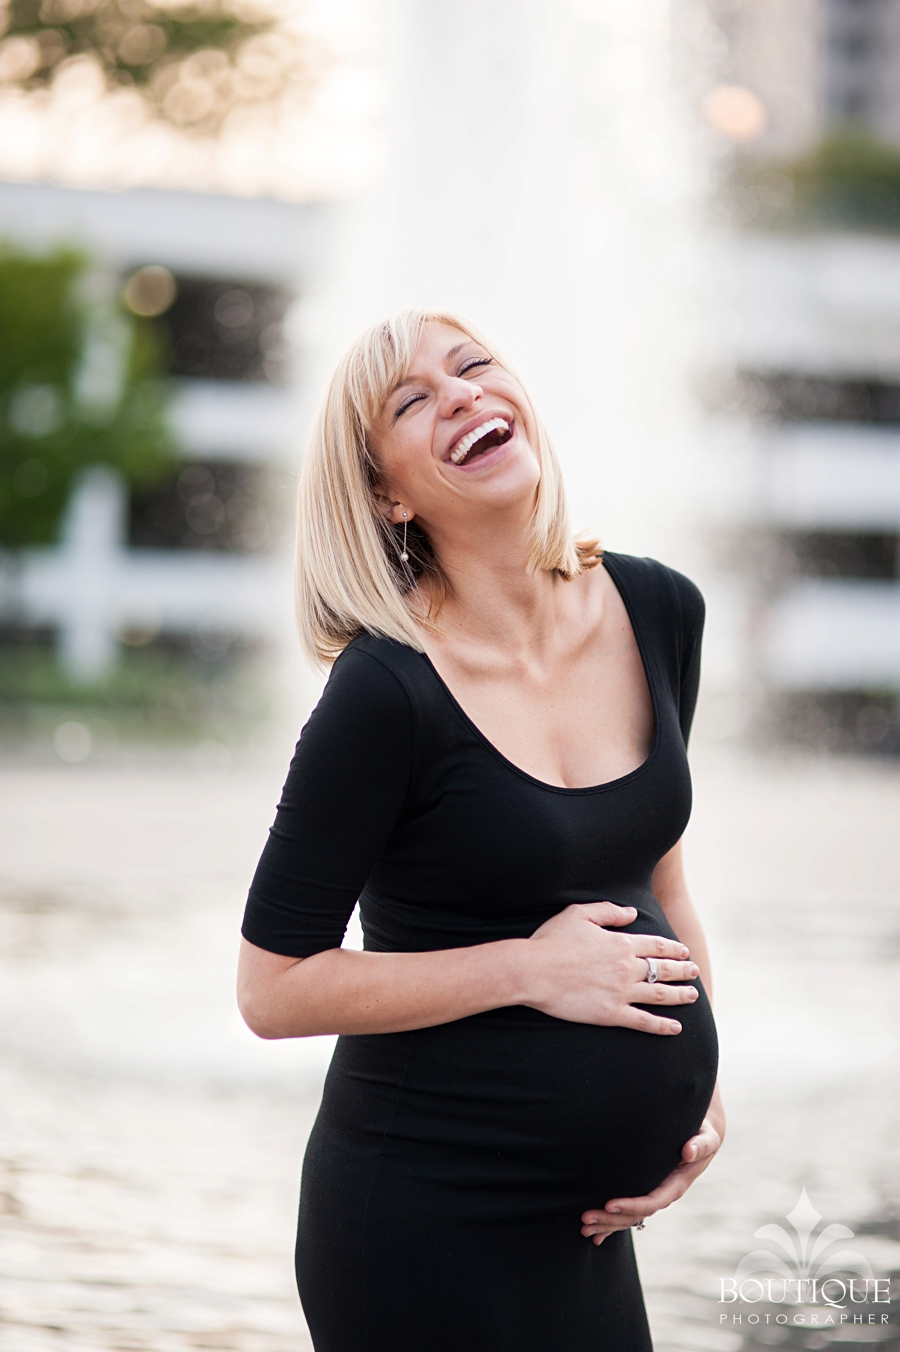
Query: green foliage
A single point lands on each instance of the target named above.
(192, 62)
(849, 180)
(80, 384)
(64, 27)
(38, 318)
(154, 692)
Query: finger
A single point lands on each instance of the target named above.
(701, 1147)
(624, 1211)
(604, 1232)
(595, 1221)
(590, 1231)
(667, 970)
(629, 1210)
(664, 995)
(608, 913)
(645, 1022)
(655, 946)
(613, 1225)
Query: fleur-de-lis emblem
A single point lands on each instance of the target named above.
(807, 1253)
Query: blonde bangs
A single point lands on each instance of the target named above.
(349, 578)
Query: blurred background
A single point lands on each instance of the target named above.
(681, 218)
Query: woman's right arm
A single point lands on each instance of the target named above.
(573, 967)
(344, 795)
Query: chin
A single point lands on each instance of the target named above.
(517, 473)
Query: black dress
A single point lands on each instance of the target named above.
(448, 1168)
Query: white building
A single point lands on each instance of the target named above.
(812, 316)
(241, 266)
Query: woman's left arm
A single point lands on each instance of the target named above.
(620, 1213)
(672, 894)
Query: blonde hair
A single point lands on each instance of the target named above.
(349, 575)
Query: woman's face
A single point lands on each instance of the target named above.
(456, 437)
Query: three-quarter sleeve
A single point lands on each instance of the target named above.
(343, 796)
(693, 614)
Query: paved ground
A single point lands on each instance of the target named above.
(150, 1147)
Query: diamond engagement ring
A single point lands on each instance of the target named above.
(640, 1225)
(652, 970)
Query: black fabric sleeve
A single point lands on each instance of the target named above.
(693, 614)
(343, 796)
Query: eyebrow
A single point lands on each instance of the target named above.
(447, 357)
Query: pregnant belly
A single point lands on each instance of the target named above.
(515, 1106)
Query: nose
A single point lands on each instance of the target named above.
(459, 396)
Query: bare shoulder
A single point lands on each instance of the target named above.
(603, 596)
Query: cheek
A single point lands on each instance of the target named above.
(530, 470)
(524, 416)
(402, 459)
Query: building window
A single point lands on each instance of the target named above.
(223, 330)
(801, 398)
(854, 56)
(851, 554)
(213, 505)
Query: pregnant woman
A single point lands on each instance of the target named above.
(496, 771)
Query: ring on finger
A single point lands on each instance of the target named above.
(640, 1225)
(652, 970)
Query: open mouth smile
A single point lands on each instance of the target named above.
(481, 439)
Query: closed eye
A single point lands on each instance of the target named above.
(475, 361)
(407, 403)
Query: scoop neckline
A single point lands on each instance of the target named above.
(651, 686)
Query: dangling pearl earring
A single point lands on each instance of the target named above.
(404, 557)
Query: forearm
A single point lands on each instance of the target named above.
(345, 991)
(683, 918)
(716, 1112)
(574, 967)
(671, 890)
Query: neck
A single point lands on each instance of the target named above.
(492, 596)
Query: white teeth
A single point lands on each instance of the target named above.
(462, 448)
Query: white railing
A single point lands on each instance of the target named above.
(91, 588)
(835, 635)
(235, 420)
(833, 476)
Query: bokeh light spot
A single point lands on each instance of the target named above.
(735, 112)
(72, 742)
(150, 291)
(142, 44)
(19, 58)
(37, 411)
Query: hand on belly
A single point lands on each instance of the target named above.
(584, 972)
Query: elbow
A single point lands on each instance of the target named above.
(266, 993)
(262, 1007)
(259, 1017)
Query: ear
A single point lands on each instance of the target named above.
(395, 512)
